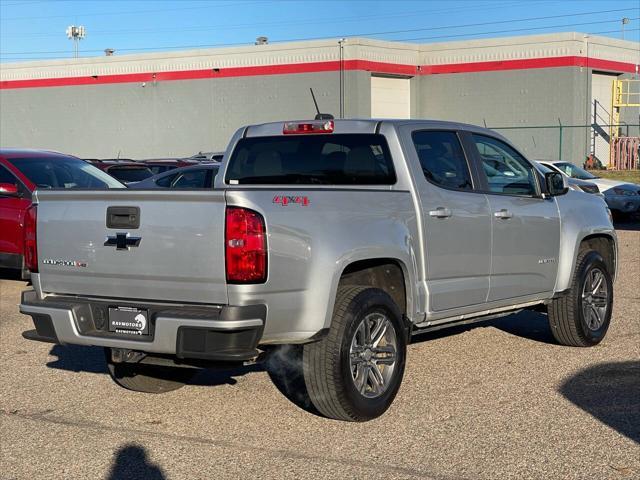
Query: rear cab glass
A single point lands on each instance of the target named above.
(333, 159)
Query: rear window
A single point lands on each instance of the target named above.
(344, 159)
(64, 172)
(130, 174)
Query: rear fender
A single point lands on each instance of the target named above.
(404, 259)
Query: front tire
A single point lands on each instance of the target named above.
(147, 378)
(355, 371)
(581, 317)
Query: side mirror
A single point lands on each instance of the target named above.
(556, 184)
(9, 190)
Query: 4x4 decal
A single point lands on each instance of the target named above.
(285, 200)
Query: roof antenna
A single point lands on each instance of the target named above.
(320, 116)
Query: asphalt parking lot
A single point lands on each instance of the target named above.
(494, 400)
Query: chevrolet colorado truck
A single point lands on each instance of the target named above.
(343, 237)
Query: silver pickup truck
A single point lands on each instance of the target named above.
(342, 237)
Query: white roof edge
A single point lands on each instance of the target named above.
(461, 51)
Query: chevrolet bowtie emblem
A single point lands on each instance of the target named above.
(122, 241)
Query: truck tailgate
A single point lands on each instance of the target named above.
(179, 256)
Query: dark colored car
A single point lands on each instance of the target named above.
(127, 171)
(161, 165)
(198, 176)
(22, 172)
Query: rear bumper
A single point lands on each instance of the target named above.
(220, 333)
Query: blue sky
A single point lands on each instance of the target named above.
(34, 29)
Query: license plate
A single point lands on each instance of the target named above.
(128, 320)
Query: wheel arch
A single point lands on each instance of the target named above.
(390, 274)
(387, 274)
(604, 243)
(606, 246)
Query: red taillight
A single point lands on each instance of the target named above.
(296, 128)
(30, 237)
(246, 246)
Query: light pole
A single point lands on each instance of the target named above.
(625, 21)
(76, 34)
(342, 79)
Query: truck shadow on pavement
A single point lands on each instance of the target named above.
(283, 365)
(610, 392)
(131, 462)
(77, 358)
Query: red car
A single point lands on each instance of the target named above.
(22, 172)
(127, 171)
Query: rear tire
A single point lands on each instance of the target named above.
(355, 371)
(147, 378)
(581, 317)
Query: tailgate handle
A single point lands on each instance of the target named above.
(123, 217)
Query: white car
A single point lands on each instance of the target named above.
(620, 196)
(573, 183)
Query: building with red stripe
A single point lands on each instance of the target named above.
(179, 103)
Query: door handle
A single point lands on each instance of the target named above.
(440, 212)
(504, 213)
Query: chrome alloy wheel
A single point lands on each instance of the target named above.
(372, 356)
(595, 299)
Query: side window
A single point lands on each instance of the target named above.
(191, 179)
(6, 176)
(166, 181)
(442, 159)
(507, 172)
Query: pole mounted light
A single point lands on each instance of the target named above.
(75, 33)
(625, 21)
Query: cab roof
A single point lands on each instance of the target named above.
(367, 125)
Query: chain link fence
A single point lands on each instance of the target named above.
(574, 143)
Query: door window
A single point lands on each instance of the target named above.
(191, 179)
(442, 159)
(166, 181)
(6, 176)
(507, 172)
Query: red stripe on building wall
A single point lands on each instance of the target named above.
(529, 63)
(292, 68)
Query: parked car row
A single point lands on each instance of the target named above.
(193, 176)
(621, 197)
(130, 171)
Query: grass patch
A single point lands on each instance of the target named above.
(632, 176)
